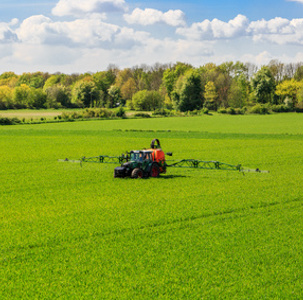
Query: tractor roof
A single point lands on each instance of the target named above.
(141, 151)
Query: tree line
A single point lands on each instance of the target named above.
(178, 86)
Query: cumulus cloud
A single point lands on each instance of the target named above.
(76, 44)
(81, 7)
(127, 38)
(151, 16)
(87, 32)
(276, 31)
(216, 29)
(6, 32)
(279, 31)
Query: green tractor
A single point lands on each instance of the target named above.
(144, 163)
(151, 163)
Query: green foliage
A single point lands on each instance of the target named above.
(51, 81)
(289, 89)
(21, 96)
(238, 92)
(210, 95)
(299, 107)
(280, 108)
(222, 110)
(232, 111)
(120, 112)
(8, 75)
(104, 80)
(34, 80)
(299, 74)
(169, 79)
(58, 96)
(259, 109)
(263, 84)
(181, 86)
(85, 94)
(171, 76)
(142, 115)
(9, 121)
(115, 98)
(6, 100)
(91, 113)
(289, 103)
(191, 96)
(161, 112)
(37, 98)
(147, 100)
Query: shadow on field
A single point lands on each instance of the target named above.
(148, 178)
(171, 176)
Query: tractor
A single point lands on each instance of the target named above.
(151, 163)
(143, 163)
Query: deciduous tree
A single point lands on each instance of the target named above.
(21, 96)
(5, 97)
(147, 100)
(85, 94)
(191, 93)
(263, 84)
(210, 95)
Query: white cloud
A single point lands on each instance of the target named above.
(34, 29)
(6, 32)
(89, 42)
(126, 38)
(279, 31)
(216, 29)
(273, 26)
(36, 55)
(87, 32)
(82, 7)
(151, 16)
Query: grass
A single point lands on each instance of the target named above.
(32, 114)
(72, 232)
(47, 114)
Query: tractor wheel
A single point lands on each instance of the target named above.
(137, 173)
(155, 171)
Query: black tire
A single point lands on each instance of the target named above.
(137, 173)
(154, 171)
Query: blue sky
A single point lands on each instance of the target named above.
(88, 35)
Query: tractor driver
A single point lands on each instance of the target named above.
(141, 156)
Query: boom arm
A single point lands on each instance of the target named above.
(211, 165)
(184, 163)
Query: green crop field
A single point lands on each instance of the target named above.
(72, 232)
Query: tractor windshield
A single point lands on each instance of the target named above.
(136, 156)
(140, 156)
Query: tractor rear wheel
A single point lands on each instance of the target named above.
(154, 171)
(137, 173)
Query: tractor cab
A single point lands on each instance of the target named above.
(140, 156)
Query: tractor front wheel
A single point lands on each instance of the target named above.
(137, 173)
(155, 171)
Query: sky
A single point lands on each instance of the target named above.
(77, 36)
